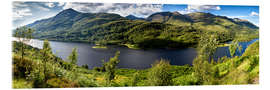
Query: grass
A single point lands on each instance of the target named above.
(102, 47)
(21, 83)
(224, 45)
(131, 46)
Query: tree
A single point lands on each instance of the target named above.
(233, 48)
(159, 74)
(203, 69)
(46, 57)
(134, 79)
(23, 35)
(110, 67)
(73, 57)
(207, 45)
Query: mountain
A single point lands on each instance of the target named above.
(170, 17)
(162, 29)
(69, 20)
(211, 22)
(132, 17)
(245, 23)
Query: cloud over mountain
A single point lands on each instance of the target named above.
(199, 8)
(141, 10)
(254, 13)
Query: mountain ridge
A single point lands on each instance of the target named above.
(179, 30)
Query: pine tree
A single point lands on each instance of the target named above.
(159, 74)
(110, 67)
(203, 69)
(233, 48)
(46, 57)
(73, 57)
(23, 35)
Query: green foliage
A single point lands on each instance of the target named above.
(159, 74)
(24, 35)
(135, 79)
(207, 45)
(110, 67)
(185, 80)
(73, 57)
(85, 66)
(233, 48)
(21, 83)
(61, 83)
(202, 68)
(21, 67)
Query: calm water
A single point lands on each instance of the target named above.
(129, 58)
(224, 51)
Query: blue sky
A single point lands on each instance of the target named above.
(28, 12)
(250, 13)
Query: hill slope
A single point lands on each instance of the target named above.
(162, 29)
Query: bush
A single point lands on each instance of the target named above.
(22, 67)
(185, 80)
(61, 83)
(110, 67)
(87, 82)
(66, 65)
(21, 83)
(135, 78)
(99, 69)
(159, 74)
(85, 66)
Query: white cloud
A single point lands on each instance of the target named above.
(19, 13)
(42, 8)
(20, 10)
(199, 8)
(254, 13)
(61, 4)
(237, 16)
(141, 10)
(49, 4)
(19, 4)
(203, 7)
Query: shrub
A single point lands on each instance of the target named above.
(85, 66)
(61, 83)
(22, 67)
(110, 67)
(159, 74)
(135, 79)
(99, 69)
(21, 83)
(185, 80)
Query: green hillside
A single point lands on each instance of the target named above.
(173, 29)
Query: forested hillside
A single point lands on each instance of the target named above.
(173, 29)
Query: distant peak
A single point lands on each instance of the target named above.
(130, 15)
(69, 10)
(175, 12)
